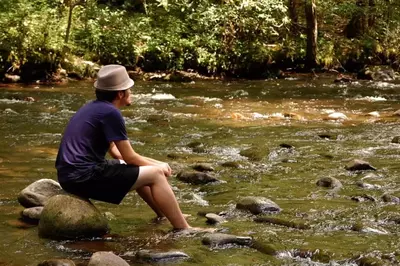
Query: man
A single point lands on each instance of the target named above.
(99, 127)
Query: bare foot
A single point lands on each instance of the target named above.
(161, 219)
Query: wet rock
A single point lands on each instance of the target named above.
(396, 140)
(264, 248)
(337, 116)
(213, 218)
(383, 73)
(277, 221)
(232, 164)
(105, 258)
(195, 198)
(329, 182)
(397, 113)
(390, 198)
(195, 144)
(374, 114)
(286, 146)
(57, 262)
(152, 256)
(359, 165)
(203, 167)
(38, 193)
(326, 136)
(257, 205)
(369, 261)
(70, 217)
(218, 239)
(361, 184)
(32, 214)
(363, 198)
(29, 99)
(254, 153)
(10, 111)
(196, 178)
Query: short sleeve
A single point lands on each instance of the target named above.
(114, 126)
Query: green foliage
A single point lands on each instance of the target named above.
(242, 38)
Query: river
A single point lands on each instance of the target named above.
(226, 118)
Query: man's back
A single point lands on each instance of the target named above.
(87, 138)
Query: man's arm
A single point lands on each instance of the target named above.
(114, 152)
(131, 157)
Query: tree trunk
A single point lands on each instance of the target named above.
(71, 7)
(359, 22)
(294, 18)
(312, 32)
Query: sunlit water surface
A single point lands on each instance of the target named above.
(226, 117)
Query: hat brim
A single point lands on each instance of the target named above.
(126, 85)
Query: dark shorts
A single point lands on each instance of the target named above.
(109, 182)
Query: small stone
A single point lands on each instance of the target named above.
(329, 182)
(218, 239)
(203, 167)
(196, 178)
(396, 140)
(257, 205)
(104, 258)
(32, 213)
(390, 198)
(213, 218)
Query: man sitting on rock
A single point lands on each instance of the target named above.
(99, 127)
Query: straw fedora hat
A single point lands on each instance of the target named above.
(113, 78)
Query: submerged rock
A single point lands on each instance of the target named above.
(196, 178)
(363, 198)
(257, 205)
(359, 165)
(32, 214)
(232, 164)
(69, 217)
(329, 182)
(396, 140)
(254, 153)
(105, 258)
(361, 184)
(278, 221)
(38, 193)
(152, 256)
(203, 167)
(218, 239)
(57, 262)
(390, 198)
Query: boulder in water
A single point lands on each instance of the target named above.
(203, 167)
(396, 140)
(329, 182)
(37, 193)
(213, 218)
(359, 165)
(105, 258)
(196, 178)
(70, 217)
(257, 205)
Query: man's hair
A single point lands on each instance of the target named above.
(107, 96)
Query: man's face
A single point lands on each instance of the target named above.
(126, 99)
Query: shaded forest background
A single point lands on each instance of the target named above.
(223, 38)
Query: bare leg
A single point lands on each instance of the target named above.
(145, 194)
(163, 196)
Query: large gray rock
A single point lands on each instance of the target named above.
(196, 178)
(37, 193)
(69, 217)
(57, 262)
(257, 205)
(105, 258)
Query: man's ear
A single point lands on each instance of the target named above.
(120, 95)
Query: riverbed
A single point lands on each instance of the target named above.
(225, 118)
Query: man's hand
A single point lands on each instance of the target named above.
(166, 169)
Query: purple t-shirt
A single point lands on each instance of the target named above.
(87, 138)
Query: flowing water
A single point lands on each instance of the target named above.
(226, 117)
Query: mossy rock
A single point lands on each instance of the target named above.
(254, 153)
(283, 222)
(71, 217)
